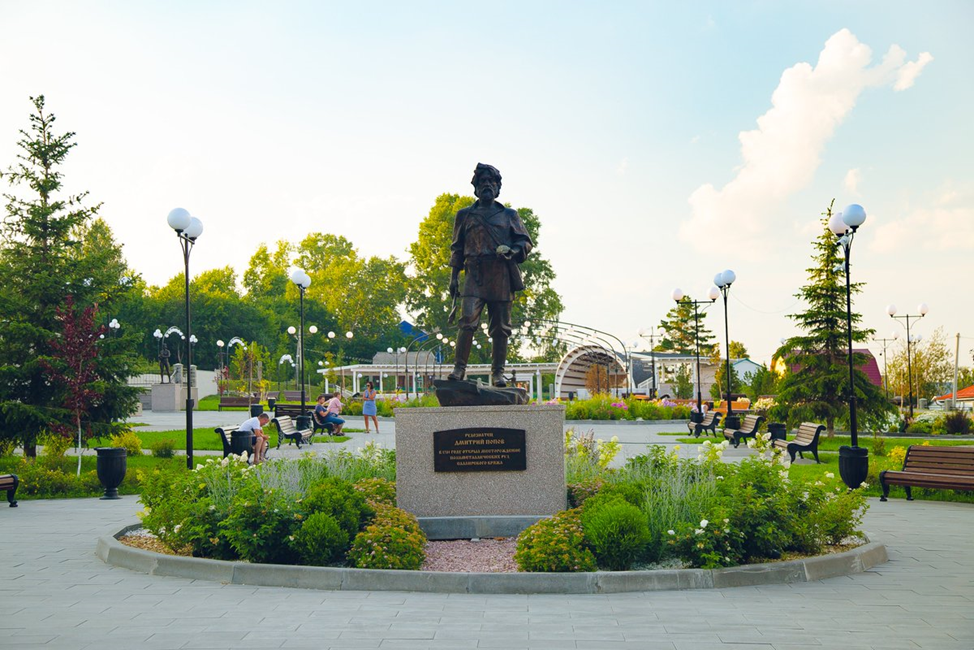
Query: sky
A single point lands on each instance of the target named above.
(659, 143)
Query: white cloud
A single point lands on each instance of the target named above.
(695, 139)
(852, 179)
(780, 156)
(936, 229)
(911, 70)
(623, 167)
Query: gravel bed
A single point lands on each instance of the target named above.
(494, 555)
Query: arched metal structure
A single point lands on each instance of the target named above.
(574, 366)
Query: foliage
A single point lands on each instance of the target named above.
(763, 382)
(393, 540)
(53, 248)
(957, 422)
(377, 490)
(931, 360)
(818, 391)
(261, 523)
(683, 382)
(583, 490)
(600, 379)
(587, 455)
(55, 445)
(678, 330)
(47, 478)
(615, 530)
(336, 498)
(320, 540)
(164, 448)
(555, 545)
(719, 387)
(607, 407)
(129, 441)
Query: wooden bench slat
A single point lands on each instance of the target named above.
(932, 467)
(806, 439)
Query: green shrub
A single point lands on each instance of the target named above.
(336, 498)
(920, 426)
(957, 422)
(55, 445)
(261, 524)
(320, 540)
(7, 447)
(616, 531)
(129, 441)
(878, 445)
(554, 545)
(46, 479)
(579, 492)
(378, 490)
(165, 448)
(393, 540)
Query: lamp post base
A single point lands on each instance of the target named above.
(853, 465)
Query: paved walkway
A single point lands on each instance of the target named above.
(54, 593)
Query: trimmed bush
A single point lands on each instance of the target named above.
(320, 540)
(554, 545)
(377, 490)
(164, 448)
(394, 540)
(616, 531)
(129, 441)
(336, 498)
(957, 422)
(260, 525)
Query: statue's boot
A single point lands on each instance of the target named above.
(499, 352)
(462, 353)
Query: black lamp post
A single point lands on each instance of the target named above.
(651, 335)
(302, 281)
(923, 309)
(679, 297)
(188, 228)
(723, 282)
(854, 460)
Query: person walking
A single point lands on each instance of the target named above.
(368, 406)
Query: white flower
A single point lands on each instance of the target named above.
(698, 531)
(727, 521)
(212, 508)
(176, 528)
(703, 523)
(864, 484)
(829, 475)
(719, 477)
(671, 532)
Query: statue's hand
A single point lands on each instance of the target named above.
(454, 288)
(504, 251)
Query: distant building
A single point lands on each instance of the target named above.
(870, 366)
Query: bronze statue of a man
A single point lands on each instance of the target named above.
(164, 369)
(489, 241)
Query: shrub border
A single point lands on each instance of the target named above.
(857, 560)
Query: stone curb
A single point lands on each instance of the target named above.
(857, 560)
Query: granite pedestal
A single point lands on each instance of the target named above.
(168, 398)
(536, 490)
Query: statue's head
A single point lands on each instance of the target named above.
(486, 178)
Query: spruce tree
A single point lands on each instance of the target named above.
(51, 250)
(678, 328)
(816, 386)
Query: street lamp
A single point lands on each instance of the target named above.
(287, 358)
(651, 335)
(723, 282)
(923, 309)
(854, 460)
(302, 281)
(884, 343)
(188, 229)
(678, 297)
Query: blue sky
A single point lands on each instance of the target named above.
(619, 123)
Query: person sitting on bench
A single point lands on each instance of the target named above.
(256, 425)
(328, 413)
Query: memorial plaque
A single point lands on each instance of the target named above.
(480, 449)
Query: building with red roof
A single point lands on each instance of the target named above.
(870, 367)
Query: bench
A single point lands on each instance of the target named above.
(806, 439)
(293, 395)
(709, 423)
(749, 429)
(234, 402)
(941, 468)
(9, 482)
(287, 431)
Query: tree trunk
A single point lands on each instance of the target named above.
(30, 451)
(830, 427)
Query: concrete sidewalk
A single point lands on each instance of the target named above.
(54, 593)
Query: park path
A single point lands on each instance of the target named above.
(54, 593)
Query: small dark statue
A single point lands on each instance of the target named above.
(489, 241)
(164, 370)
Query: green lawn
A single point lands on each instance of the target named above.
(833, 444)
(206, 439)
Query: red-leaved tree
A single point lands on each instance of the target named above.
(73, 367)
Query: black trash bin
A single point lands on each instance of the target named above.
(110, 466)
(256, 409)
(271, 401)
(777, 431)
(242, 441)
